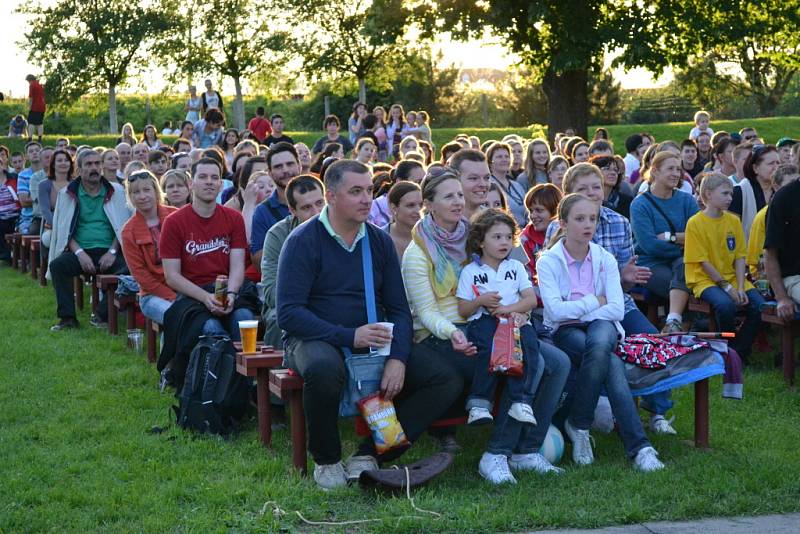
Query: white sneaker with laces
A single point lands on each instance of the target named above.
(479, 416)
(356, 464)
(647, 460)
(581, 444)
(661, 425)
(494, 468)
(532, 462)
(522, 412)
(330, 476)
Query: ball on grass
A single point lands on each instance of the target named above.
(553, 446)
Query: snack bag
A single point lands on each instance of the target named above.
(382, 421)
(506, 355)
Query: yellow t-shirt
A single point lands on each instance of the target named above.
(717, 241)
(755, 245)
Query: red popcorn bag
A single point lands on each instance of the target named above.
(506, 355)
(383, 424)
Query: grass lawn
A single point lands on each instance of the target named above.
(771, 129)
(78, 455)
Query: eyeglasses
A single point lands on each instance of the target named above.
(139, 175)
(758, 150)
(438, 171)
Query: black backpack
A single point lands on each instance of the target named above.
(214, 396)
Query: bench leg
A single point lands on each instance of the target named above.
(787, 348)
(111, 311)
(95, 297)
(130, 316)
(298, 421)
(264, 408)
(701, 414)
(42, 268)
(33, 262)
(78, 286)
(152, 340)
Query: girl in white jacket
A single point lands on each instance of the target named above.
(580, 288)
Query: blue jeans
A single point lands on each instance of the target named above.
(520, 388)
(510, 436)
(228, 325)
(725, 312)
(591, 349)
(154, 307)
(636, 323)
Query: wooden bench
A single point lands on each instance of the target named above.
(650, 302)
(288, 387)
(108, 284)
(700, 306)
(25, 252)
(258, 365)
(78, 282)
(33, 257)
(789, 330)
(127, 304)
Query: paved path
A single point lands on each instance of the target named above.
(766, 524)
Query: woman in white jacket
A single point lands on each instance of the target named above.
(580, 288)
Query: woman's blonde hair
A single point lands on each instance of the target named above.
(139, 177)
(132, 167)
(564, 208)
(579, 170)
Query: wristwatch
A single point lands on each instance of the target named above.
(112, 251)
(673, 238)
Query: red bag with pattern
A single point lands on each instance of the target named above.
(506, 355)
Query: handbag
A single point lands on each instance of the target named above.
(364, 371)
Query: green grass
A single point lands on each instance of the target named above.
(78, 455)
(771, 129)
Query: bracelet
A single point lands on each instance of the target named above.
(78, 251)
(234, 293)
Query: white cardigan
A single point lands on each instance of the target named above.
(555, 288)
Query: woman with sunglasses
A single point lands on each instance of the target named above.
(614, 196)
(140, 237)
(754, 191)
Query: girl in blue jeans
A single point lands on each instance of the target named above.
(580, 288)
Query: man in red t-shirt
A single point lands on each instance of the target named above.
(260, 125)
(201, 241)
(37, 107)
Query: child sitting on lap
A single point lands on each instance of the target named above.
(492, 286)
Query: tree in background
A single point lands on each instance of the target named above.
(83, 46)
(347, 39)
(605, 98)
(231, 38)
(760, 38)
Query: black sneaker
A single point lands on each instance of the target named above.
(97, 322)
(65, 324)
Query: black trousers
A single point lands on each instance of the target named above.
(6, 227)
(429, 389)
(65, 267)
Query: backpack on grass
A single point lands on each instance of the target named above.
(214, 396)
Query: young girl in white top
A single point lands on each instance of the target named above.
(580, 287)
(490, 287)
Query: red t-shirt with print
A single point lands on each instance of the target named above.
(203, 245)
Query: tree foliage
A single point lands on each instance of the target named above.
(352, 39)
(232, 38)
(84, 46)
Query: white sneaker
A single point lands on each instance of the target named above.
(479, 416)
(494, 468)
(357, 464)
(532, 462)
(330, 476)
(581, 444)
(522, 412)
(660, 425)
(647, 460)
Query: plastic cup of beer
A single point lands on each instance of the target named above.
(384, 351)
(249, 332)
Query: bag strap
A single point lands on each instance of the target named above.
(658, 208)
(369, 285)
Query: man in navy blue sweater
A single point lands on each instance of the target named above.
(321, 307)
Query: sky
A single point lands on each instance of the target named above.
(474, 54)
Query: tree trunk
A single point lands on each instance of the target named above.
(568, 101)
(362, 90)
(238, 107)
(112, 109)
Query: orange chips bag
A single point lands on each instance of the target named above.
(382, 421)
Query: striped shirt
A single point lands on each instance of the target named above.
(9, 202)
